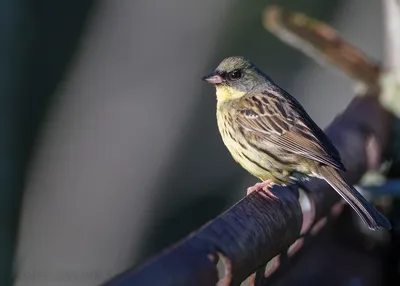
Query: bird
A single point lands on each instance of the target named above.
(270, 135)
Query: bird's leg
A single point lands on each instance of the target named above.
(264, 187)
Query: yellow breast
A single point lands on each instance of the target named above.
(225, 93)
(255, 161)
(237, 145)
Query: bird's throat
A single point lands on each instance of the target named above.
(226, 93)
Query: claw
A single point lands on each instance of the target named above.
(264, 187)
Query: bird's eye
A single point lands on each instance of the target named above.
(236, 74)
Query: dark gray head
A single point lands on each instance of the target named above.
(237, 73)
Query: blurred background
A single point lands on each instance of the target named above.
(110, 148)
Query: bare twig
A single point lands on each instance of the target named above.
(322, 43)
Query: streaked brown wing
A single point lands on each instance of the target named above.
(281, 120)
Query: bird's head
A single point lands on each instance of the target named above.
(234, 78)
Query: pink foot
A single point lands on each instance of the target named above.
(264, 187)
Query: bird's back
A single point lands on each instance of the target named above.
(330, 151)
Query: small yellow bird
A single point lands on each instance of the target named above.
(270, 135)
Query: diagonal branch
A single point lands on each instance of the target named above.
(322, 43)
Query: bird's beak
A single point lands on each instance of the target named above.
(213, 78)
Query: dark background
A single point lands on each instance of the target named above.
(109, 135)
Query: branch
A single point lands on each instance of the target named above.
(251, 231)
(259, 229)
(321, 43)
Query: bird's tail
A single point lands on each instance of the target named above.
(371, 217)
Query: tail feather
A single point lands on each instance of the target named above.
(371, 217)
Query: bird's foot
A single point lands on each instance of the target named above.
(264, 187)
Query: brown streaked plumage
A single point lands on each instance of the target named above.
(270, 134)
